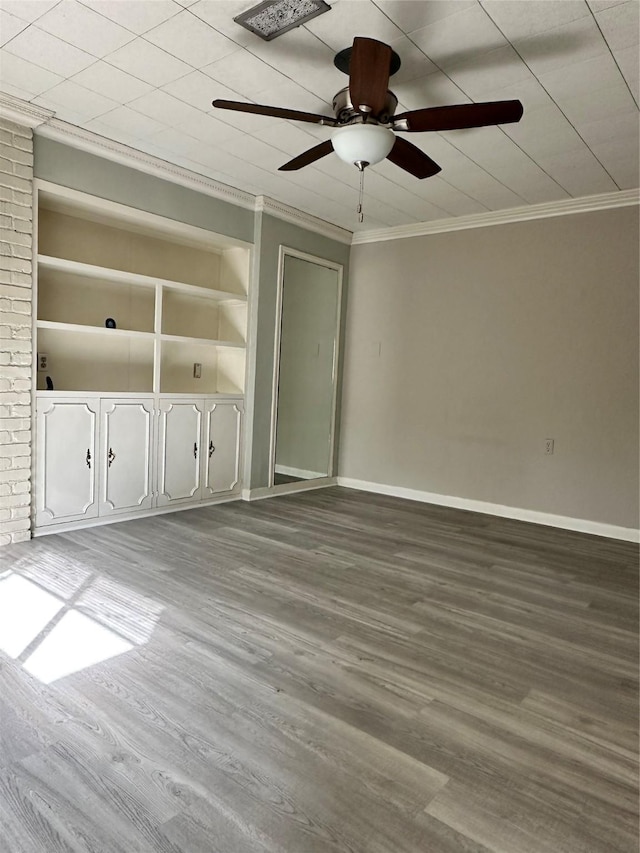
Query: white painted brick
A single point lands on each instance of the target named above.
(10, 501)
(15, 264)
(15, 526)
(5, 489)
(20, 463)
(23, 536)
(16, 183)
(21, 384)
(15, 423)
(12, 237)
(17, 155)
(5, 463)
(22, 332)
(18, 211)
(14, 478)
(16, 293)
(15, 319)
(19, 436)
(16, 397)
(19, 357)
(23, 171)
(23, 487)
(21, 279)
(13, 450)
(5, 515)
(16, 346)
(20, 512)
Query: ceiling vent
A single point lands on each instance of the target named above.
(275, 17)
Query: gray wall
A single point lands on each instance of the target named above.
(274, 233)
(88, 173)
(466, 350)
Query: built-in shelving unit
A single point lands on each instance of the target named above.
(178, 299)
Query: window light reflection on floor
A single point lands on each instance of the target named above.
(53, 636)
(25, 610)
(75, 643)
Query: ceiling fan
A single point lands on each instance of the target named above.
(364, 122)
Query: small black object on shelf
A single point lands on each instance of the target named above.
(49, 382)
(110, 323)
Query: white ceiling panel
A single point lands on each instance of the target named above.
(364, 18)
(28, 11)
(129, 121)
(112, 83)
(148, 63)
(84, 28)
(219, 14)
(145, 73)
(620, 24)
(521, 20)
(582, 78)
(165, 108)
(578, 171)
(191, 40)
(458, 37)
(559, 47)
(50, 52)
(69, 97)
(500, 67)
(25, 76)
(604, 103)
(628, 61)
(410, 15)
(10, 26)
(139, 16)
(244, 73)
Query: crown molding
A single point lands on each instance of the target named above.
(283, 211)
(566, 207)
(86, 140)
(23, 113)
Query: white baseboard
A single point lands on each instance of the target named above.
(299, 472)
(581, 525)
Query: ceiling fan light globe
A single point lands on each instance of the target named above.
(365, 143)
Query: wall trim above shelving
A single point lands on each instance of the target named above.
(265, 204)
(564, 207)
(67, 200)
(119, 152)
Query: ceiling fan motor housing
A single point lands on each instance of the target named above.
(346, 113)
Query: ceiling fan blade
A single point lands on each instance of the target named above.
(369, 70)
(412, 159)
(460, 116)
(308, 157)
(277, 112)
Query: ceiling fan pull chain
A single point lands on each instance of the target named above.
(359, 211)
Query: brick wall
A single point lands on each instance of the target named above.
(16, 233)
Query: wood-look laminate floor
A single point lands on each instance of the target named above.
(321, 672)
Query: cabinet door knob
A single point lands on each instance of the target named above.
(195, 450)
(88, 458)
(111, 456)
(211, 449)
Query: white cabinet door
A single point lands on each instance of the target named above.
(221, 446)
(125, 455)
(66, 461)
(179, 464)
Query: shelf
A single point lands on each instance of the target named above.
(93, 330)
(202, 342)
(49, 262)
